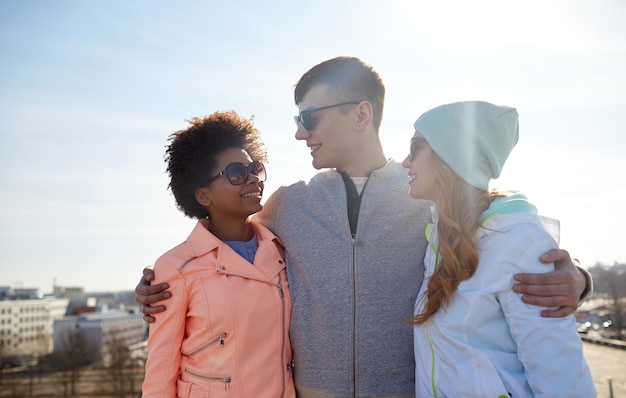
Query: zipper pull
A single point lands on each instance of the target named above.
(290, 367)
(226, 383)
(222, 337)
(280, 289)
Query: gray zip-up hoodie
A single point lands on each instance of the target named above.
(352, 298)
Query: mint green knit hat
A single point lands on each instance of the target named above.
(474, 138)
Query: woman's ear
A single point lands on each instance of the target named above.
(203, 196)
(364, 115)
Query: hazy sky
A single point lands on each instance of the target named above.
(89, 92)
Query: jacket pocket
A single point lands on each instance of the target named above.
(211, 380)
(188, 390)
(221, 340)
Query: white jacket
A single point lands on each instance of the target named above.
(488, 343)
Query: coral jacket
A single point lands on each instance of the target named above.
(226, 328)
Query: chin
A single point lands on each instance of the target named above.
(316, 165)
(415, 194)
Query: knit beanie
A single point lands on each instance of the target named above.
(473, 138)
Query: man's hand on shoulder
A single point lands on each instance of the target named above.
(560, 289)
(146, 295)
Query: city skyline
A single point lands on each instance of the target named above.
(89, 93)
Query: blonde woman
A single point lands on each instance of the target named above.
(473, 336)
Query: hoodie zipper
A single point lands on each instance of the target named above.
(354, 309)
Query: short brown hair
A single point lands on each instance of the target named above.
(351, 78)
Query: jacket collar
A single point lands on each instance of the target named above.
(201, 241)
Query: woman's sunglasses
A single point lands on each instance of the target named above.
(307, 121)
(238, 173)
(416, 144)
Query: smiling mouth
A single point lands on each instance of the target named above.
(315, 147)
(252, 195)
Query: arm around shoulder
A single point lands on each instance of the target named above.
(164, 343)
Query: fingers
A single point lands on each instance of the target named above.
(148, 295)
(148, 311)
(149, 319)
(549, 278)
(565, 274)
(148, 274)
(547, 300)
(560, 305)
(151, 310)
(561, 298)
(143, 287)
(555, 256)
(558, 313)
(548, 295)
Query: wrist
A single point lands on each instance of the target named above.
(588, 282)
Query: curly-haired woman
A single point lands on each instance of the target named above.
(226, 332)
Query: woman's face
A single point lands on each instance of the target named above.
(229, 201)
(418, 164)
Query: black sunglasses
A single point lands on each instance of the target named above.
(238, 173)
(416, 144)
(307, 121)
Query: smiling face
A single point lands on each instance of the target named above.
(331, 140)
(226, 202)
(419, 163)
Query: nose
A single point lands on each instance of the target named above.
(406, 163)
(302, 133)
(253, 179)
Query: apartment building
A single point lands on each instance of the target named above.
(100, 333)
(26, 325)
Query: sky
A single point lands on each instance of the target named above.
(89, 92)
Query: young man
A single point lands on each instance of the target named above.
(354, 254)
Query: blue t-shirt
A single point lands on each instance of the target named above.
(247, 249)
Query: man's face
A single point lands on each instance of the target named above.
(330, 139)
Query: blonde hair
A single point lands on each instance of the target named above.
(459, 206)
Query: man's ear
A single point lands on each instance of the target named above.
(364, 115)
(203, 196)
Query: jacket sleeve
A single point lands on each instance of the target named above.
(166, 336)
(589, 286)
(549, 348)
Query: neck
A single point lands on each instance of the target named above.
(368, 159)
(240, 230)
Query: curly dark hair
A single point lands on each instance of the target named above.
(190, 156)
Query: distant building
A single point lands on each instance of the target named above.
(32, 326)
(26, 325)
(101, 333)
(68, 291)
(25, 294)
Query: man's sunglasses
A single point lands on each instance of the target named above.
(416, 144)
(238, 173)
(307, 121)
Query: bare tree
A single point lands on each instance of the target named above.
(71, 361)
(2, 353)
(35, 348)
(611, 281)
(119, 373)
